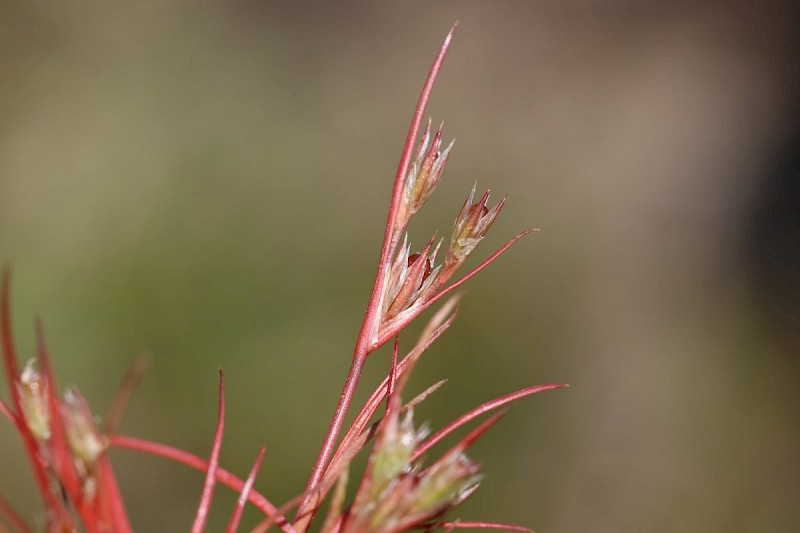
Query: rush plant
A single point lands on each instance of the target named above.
(67, 449)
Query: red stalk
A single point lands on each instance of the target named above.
(201, 517)
(374, 401)
(370, 326)
(236, 517)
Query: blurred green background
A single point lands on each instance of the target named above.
(206, 182)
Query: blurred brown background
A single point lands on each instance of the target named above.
(207, 182)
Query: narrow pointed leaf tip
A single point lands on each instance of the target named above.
(198, 463)
(480, 410)
(213, 464)
(238, 511)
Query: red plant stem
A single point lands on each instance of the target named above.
(372, 317)
(236, 517)
(478, 411)
(201, 517)
(198, 463)
(372, 403)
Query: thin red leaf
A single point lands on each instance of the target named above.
(421, 397)
(391, 392)
(458, 524)
(6, 411)
(478, 411)
(10, 515)
(236, 517)
(198, 463)
(479, 431)
(203, 508)
(488, 261)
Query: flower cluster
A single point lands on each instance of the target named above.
(425, 173)
(67, 449)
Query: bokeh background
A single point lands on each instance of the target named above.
(206, 182)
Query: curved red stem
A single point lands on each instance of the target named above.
(198, 463)
(204, 507)
(478, 411)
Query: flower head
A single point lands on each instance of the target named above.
(34, 401)
(85, 440)
(411, 277)
(471, 226)
(397, 494)
(426, 171)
